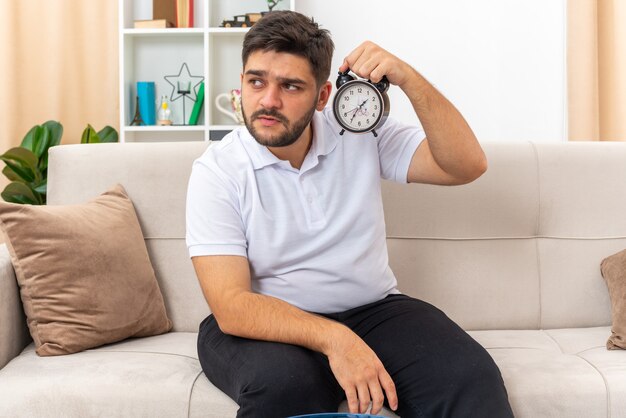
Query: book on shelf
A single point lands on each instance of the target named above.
(153, 24)
(184, 13)
(147, 105)
(197, 107)
(164, 9)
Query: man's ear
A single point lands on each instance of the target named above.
(324, 95)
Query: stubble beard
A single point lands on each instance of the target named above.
(292, 132)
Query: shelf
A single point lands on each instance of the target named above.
(185, 31)
(169, 31)
(157, 128)
(224, 127)
(228, 31)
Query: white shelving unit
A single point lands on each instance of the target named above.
(209, 50)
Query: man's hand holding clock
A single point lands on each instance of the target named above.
(372, 62)
(360, 106)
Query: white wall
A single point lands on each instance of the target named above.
(501, 62)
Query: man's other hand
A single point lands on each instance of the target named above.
(361, 374)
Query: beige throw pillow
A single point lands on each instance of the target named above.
(614, 272)
(84, 273)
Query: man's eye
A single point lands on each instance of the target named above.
(256, 83)
(291, 87)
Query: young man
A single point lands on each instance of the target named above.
(286, 233)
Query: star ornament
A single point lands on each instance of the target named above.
(183, 84)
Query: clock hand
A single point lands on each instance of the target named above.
(353, 111)
(361, 105)
(357, 109)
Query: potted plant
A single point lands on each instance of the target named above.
(27, 165)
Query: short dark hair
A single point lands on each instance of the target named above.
(293, 33)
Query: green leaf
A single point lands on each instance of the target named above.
(25, 174)
(108, 134)
(36, 140)
(10, 174)
(17, 192)
(43, 163)
(23, 162)
(7, 197)
(56, 132)
(41, 142)
(42, 188)
(29, 138)
(89, 136)
(22, 155)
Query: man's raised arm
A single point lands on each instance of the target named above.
(451, 153)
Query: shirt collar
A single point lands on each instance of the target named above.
(259, 154)
(325, 134)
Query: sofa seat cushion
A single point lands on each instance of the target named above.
(548, 373)
(147, 377)
(559, 372)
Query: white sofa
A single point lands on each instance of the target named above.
(513, 257)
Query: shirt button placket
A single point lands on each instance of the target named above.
(316, 214)
(308, 199)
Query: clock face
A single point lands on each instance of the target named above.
(358, 106)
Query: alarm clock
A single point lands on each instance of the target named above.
(360, 106)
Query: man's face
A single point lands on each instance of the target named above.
(279, 96)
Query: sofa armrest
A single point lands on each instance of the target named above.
(14, 334)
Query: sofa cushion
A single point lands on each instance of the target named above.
(558, 373)
(550, 373)
(614, 272)
(84, 273)
(145, 377)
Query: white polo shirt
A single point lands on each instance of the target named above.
(314, 237)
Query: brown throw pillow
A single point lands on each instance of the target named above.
(613, 270)
(84, 273)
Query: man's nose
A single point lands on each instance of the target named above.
(271, 98)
